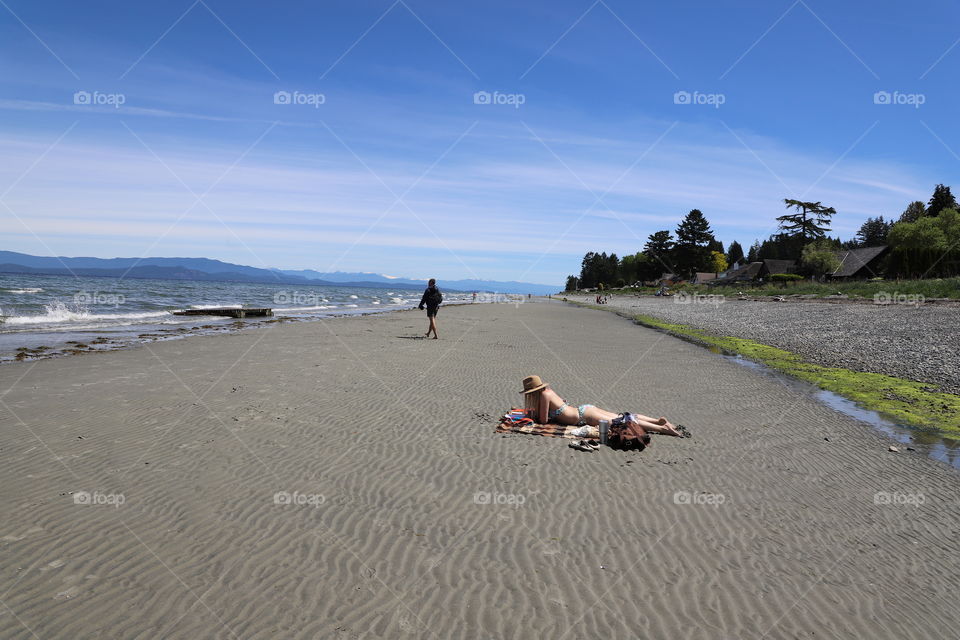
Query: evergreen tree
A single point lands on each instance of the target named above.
(659, 244)
(914, 211)
(941, 199)
(660, 248)
(734, 252)
(571, 283)
(754, 254)
(693, 243)
(809, 222)
(873, 232)
(588, 279)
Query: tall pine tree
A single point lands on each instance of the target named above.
(693, 244)
(810, 222)
(734, 253)
(660, 248)
(941, 199)
(913, 212)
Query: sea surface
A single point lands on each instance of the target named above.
(43, 316)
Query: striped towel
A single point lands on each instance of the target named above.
(516, 422)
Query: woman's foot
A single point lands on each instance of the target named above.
(669, 429)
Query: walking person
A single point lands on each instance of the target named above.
(431, 299)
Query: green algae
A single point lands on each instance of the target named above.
(914, 403)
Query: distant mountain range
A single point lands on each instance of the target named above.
(207, 269)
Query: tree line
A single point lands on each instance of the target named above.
(924, 242)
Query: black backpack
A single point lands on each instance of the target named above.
(434, 297)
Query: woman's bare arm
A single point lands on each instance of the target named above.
(543, 410)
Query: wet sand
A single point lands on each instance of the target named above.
(341, 479)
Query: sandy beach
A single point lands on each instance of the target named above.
(342, 479)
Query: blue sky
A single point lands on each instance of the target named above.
(384, 159)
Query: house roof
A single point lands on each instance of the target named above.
(779, 266)
(746, 272)
(703, 276)
(853, 260)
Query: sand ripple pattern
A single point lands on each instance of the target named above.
(418, 522)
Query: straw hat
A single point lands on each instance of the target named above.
(532, 383)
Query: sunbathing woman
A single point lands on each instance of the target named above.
(544, 405)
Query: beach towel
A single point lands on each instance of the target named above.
(515, 421)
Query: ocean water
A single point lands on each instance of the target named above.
(42, 316)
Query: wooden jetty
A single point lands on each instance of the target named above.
(229, 312)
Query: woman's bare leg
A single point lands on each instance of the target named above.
(655, 427)
(593, 416)
(433, 327)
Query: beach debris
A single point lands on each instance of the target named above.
(893, 449)
(230, 312)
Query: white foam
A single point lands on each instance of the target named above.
(216, 306)
(25, 290)
(58, 313)
(353, 297)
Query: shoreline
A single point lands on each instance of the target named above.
(343, 479)
(161, 333)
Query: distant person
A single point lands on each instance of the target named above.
(431, 299)
(474, 296)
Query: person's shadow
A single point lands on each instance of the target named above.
(413, 337)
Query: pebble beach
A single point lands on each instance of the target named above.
(917, 342)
